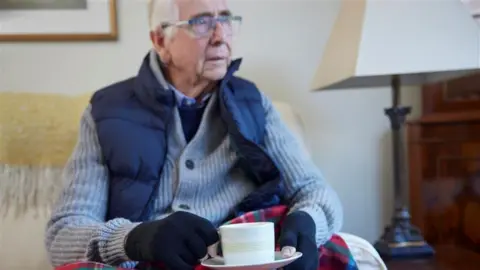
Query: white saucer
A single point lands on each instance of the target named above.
(218, 263)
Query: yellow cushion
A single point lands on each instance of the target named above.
(39, 129)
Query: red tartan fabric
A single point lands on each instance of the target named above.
(88, 266)
(333, 255)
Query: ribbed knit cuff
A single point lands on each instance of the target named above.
(323, 233)
(111, 241)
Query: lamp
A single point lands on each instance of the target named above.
(389, 43)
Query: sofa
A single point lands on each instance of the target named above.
(37, 135)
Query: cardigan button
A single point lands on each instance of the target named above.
(189, 164)
(184, 207)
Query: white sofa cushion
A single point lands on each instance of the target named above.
(21, 241)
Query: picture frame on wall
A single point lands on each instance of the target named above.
(58, 20)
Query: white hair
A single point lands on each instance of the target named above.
(160, 11)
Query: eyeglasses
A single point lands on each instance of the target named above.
(205, 25)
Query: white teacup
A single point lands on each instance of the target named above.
(248, 243)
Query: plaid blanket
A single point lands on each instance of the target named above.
(334, 254)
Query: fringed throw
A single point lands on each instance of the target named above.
(37, 135)
(27, 187)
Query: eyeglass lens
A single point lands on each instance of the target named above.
(205, 24)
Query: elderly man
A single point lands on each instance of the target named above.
(170, 154)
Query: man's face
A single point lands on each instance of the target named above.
(208, 55)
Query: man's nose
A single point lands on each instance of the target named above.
(218, 36)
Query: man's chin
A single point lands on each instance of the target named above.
(214, 74)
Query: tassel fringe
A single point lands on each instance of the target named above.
(23, 188)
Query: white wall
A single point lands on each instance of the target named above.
(281, 43)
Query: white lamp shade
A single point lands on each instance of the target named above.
(419, 40)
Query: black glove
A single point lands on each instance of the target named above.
(179, 241)
(298, 231)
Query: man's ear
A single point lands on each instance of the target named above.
(157, 38)
(158, 42)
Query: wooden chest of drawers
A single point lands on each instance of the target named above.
(444, 169)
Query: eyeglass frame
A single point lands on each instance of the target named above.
(192, 21)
